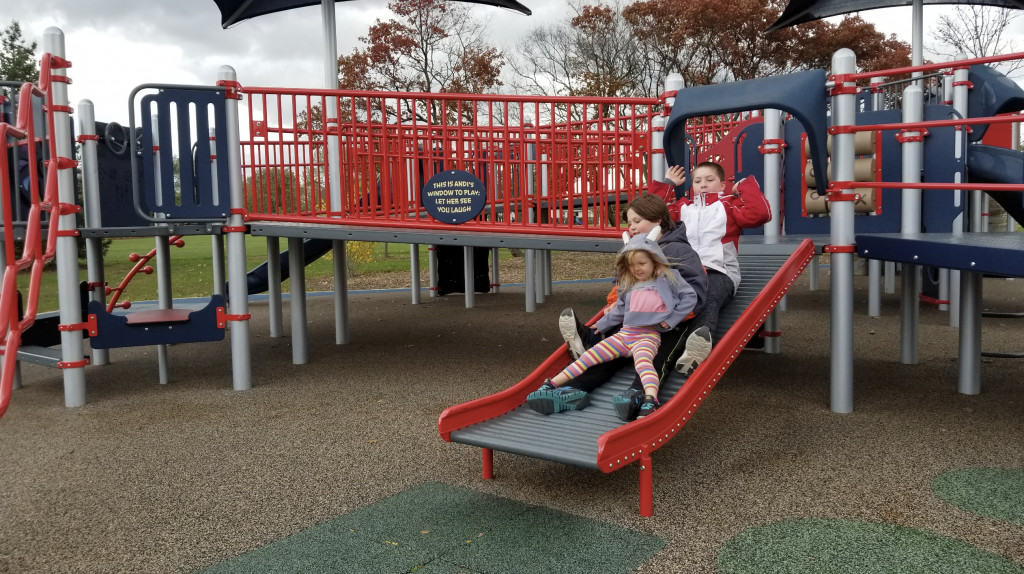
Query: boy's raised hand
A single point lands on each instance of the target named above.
(676, 174)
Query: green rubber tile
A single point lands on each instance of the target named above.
(991, 492)
(813, 546)
(441, 567)
(439, 529)
(316, 550)
(545, 541)
(431, 515)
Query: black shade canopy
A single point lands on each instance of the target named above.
(800, 11)
(234, 11)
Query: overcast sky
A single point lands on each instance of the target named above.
(116, 45)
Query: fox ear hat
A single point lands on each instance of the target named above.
(644, 242)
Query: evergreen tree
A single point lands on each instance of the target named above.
(17, 58)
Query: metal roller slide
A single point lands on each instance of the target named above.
(595, 437)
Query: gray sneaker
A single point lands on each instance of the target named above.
(567, 327)
(698, 347)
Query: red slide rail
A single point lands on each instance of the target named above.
(33, 256)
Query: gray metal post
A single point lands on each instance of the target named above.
(538, 284)
(843, 114)
(274, 311)
(297, 302)
(468, 272)
(217, 241)
(1015, 136)
(334, 170)
(341, 332)
(529, 282)
(165, 299)
(969, 379)
(658, 166)
(773, 173)
(93, 217)
(813, 269)
(495, 270)
(217, 253)
(960, 197)
(414, 271)
(773, 193)
(910, 223)
(874, 265)
(67, 248)
(874, 288)
(432, 269)
(161, 247)
(241, 354)
(548, 277)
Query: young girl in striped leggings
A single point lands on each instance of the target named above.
(653, 298)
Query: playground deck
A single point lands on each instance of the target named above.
(151, 478)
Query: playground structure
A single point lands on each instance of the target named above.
(557, 172)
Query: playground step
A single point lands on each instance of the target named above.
(45, 356)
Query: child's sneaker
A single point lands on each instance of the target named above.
(547, 385)
(648, 406)
(627, 404)
(698, 347)
(567, 327)
(557, 399)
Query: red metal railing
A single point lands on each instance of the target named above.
(33, 257)
(561, 165)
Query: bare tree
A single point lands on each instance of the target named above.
(977, 31)
(592, 52)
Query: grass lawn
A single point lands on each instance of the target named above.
(192, 267)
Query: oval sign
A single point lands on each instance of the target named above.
(454, 196)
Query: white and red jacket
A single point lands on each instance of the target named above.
(714, 222)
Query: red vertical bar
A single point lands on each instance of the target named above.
(646, 486)
(488, 463)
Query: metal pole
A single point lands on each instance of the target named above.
(67, 248)
(93, 216)
(843, 113)
(495, 270)
(773, 193)
(414, 271)
(910, 223)
(274, 311)
(874, 288)
(163, 293)
(658, 166)
(330, 70)
(969, 379)
(960, 197)
(917, 35)
(297, 302)
(773, 173)
(875, 265)
(238, 289)
(341, 332)
(468, 271)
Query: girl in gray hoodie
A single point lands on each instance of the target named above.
(653, 298)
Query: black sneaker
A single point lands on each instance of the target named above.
(557, 399)
(698, 347)
(547, 385)
(568, 326)
(648, 406)
(627, 404)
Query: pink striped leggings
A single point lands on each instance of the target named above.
(640, 342)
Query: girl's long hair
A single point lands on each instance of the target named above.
(624, 278)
